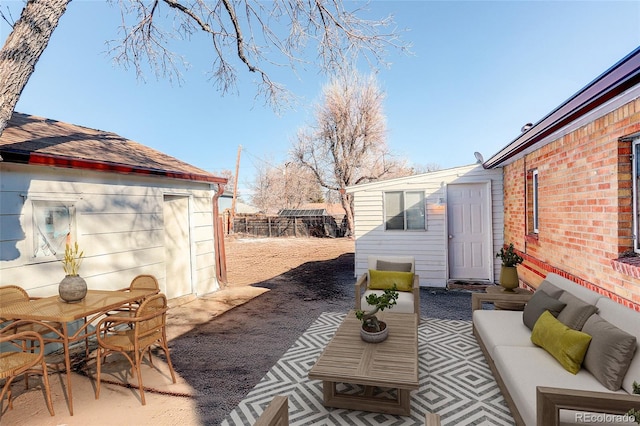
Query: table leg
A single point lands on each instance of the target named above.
(366, 401)
(67, 364)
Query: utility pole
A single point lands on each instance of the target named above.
(235, 191)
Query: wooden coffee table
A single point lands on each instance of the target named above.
(389, 364)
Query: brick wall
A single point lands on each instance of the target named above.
(584, 206)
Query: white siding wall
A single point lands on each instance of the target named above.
(428, 247)
(119, 222)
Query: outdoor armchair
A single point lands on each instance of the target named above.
(148, 329)
(140, 282)
(15, 363)
(408, 300)
(11, 294)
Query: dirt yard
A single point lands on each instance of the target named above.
(253, 260)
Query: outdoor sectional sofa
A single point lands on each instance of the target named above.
(536, 386)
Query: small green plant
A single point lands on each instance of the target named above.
(509, 257)
(635, 414)
(72, 259)
(386, 300)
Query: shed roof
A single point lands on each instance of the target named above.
(615, 81)
(28, 139)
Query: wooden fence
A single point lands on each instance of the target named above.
(279, 226)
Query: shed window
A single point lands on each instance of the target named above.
(53, 222)
(532, 202)
(404, 210)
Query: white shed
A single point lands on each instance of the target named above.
(450, 220)
(132, 209)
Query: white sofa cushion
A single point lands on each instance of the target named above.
(524, 368)
(404, 304)
(501, 328)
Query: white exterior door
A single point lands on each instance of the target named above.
(469, 225)
(177, 246)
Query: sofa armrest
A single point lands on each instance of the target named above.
(361, 283)
(551, 400)
(477, 299)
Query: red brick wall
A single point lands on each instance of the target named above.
(585, 206)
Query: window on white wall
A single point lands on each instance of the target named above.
(404, 210)
(53, 222)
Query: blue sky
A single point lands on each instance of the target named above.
(480, 70)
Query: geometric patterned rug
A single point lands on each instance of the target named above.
(455, 381)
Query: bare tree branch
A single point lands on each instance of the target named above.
(262, 36)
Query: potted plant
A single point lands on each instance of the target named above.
(72, 288)
(509, 272)
(633, 413)
(373, 330)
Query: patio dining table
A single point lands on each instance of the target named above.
(53, 310)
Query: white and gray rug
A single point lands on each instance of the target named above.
(455, 381)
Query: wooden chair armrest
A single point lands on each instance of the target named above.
(360, 284)
(416, 295)
(551, 400)
(477, 299)
(276, 413)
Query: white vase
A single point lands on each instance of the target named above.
(375, 336)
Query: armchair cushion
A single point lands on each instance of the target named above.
(383, 265)
(382, 280)
(567, 345)
(610, 352)
(404, 304)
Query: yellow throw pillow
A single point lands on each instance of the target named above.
(382, 280)
(568, 346)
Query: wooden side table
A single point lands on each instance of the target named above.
(508, 306)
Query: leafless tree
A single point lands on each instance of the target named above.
(287, 186)
(417, 169)
(347, 143)
(252, 34)
(231, 179)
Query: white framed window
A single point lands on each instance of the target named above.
(532, 202)
(635, 161)
(405, 211)
(53, 225)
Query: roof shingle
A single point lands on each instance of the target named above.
(37, 140)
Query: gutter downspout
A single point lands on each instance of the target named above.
(218, 239)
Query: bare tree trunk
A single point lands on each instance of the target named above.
(347, 204)
(24, 46)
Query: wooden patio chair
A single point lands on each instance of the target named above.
(148, 328)
(15, 363)
(140, 282)
(10, 294)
